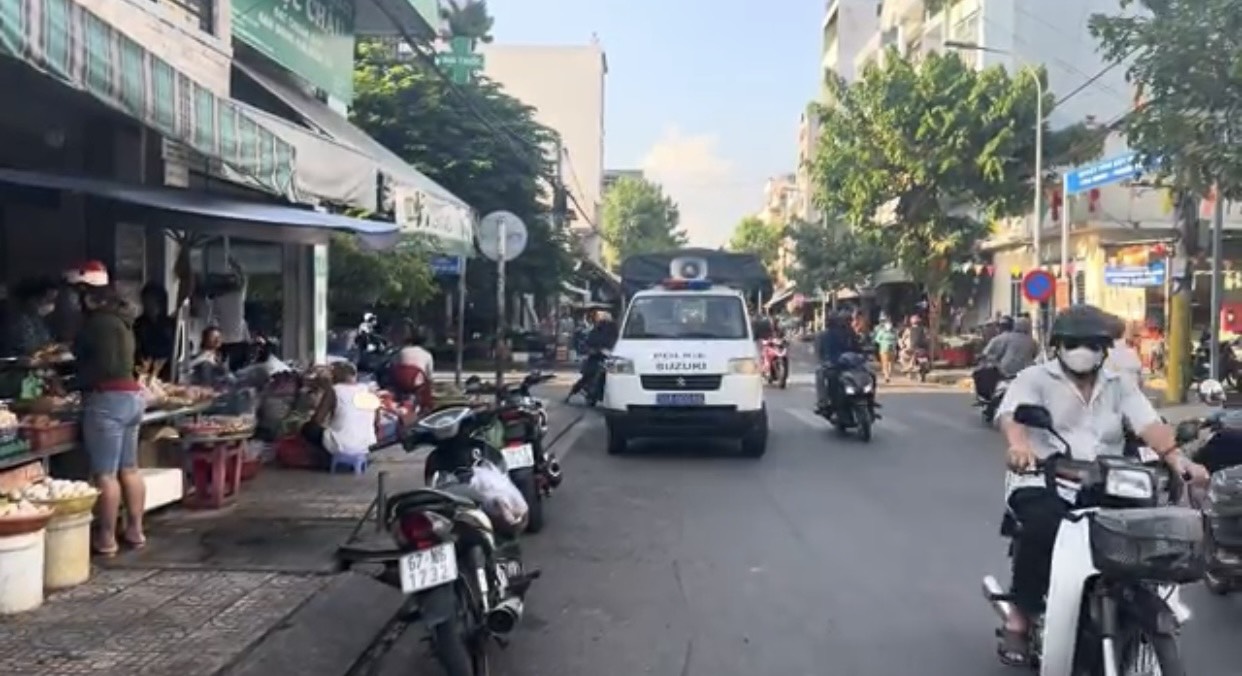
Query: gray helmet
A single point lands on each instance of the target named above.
(1082, 323)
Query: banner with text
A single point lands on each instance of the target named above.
(312, 38)
(451, 226)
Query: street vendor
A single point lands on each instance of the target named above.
(155, 332)
(112, 409)
(209, 366)
(344, 421)
(27, 329)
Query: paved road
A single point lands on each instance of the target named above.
(827, 557)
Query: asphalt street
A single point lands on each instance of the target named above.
(827, 557)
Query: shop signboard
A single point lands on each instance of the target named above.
(1152, 274)
(446, 266)
(450, 226)
(312, 38)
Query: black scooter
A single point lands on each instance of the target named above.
(456, 558)
(855, 407)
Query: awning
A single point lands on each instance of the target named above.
(328, 170)
(178, 209)
(591, 269)
(422, 205)
(68, 42)
(781, 297)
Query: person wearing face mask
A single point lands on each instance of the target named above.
(1091, 407)
(27, 329)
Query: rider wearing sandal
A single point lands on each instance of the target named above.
(1090, 407)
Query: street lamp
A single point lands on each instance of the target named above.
(1037, 207)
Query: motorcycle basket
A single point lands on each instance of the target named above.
(1159, 544)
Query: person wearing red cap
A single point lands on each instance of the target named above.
(112, 408)
(67, 317)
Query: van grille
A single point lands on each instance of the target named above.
(675, 383)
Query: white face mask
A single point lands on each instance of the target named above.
(1081, 360)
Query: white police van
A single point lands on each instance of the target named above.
(686, 364)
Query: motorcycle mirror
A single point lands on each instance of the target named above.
(1187, 430)
(1033, 415)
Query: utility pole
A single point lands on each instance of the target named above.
(1218, 279)
(1178, 336)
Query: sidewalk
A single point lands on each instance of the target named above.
(252, 589)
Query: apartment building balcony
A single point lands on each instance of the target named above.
(908, 14)
(831, 12)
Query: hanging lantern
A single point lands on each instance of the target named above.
(1093, 200)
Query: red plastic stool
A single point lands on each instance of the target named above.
(216, 472)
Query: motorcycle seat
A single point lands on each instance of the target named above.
(457, 495)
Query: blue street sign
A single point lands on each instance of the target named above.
(1151, 274)
(446, 266)
(1038, 286)
(1121, 168)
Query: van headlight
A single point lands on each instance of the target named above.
(620, 366)
(745, 366)
(1130, 484)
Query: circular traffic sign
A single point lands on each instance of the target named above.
(515, 235)
(1038, 286)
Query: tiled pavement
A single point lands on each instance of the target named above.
(209, 588)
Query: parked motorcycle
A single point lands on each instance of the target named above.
(776, 361)
(457, 557)
(855, 407)
(1113, 606)
(533, 469)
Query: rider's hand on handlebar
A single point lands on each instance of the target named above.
(1021, 459)
(1195, 473)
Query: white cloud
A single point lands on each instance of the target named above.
(707, 186)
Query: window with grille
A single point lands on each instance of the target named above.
(1015, 296)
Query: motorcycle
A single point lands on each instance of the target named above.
(776, 361)
(922, 364)
(1118, 558)
(856, 407)
(457, 558)
(523, 425)
(594, 373)
(988, 404)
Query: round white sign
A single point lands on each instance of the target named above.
(489, 235)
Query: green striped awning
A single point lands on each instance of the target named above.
(63, 39)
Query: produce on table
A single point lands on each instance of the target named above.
(7, 418)
(41, 421)
(218, 426)
(53, 490)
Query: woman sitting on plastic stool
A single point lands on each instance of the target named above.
(344, 422)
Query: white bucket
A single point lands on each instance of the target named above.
(67, 560)
(21, 572)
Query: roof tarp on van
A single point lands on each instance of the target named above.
(742, 271)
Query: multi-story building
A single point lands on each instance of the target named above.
(611, 176)
(781, 201)
(848, 26)
(565, 85)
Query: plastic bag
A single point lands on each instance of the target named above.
(501, 498)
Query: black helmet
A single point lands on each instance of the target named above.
(1082, 323)
(1005, 323)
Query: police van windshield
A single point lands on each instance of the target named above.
(686, 317)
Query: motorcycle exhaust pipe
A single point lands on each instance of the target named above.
(995, 594)
(555, 476)
(502, 619)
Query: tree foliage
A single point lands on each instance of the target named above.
(1186, 58)
(832, 257)
(501, 164)
(637, 217)
(467, 19)
(924, 154)
(360, 279)
(763, 239)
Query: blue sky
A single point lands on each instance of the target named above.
(703, 94)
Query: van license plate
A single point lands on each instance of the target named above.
(428, 568)
(680, 399)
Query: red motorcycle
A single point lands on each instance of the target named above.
(776, 361)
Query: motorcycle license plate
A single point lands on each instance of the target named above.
(428, 568)
(519, 456)
(680, 399)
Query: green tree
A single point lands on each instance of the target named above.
(752, 234)
(637, 217)
(501, 164)
(922, 155)
(1184, 58)
(467, 19)
(359, 279)
(832, 257)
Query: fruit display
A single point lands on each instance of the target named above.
(20, 517)
(62, 495)
(20, 509)
(218, 426)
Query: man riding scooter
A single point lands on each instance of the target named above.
(837, 339)
(599, 341)
(1005, 355)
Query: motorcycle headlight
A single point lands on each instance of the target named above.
(868, 387)
(1130, 484)
(620, 366)
(744, 366)
(849, 389)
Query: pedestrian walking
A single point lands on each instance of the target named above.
(886, 347)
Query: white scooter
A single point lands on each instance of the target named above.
(1113, 607)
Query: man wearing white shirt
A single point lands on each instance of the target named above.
(229, 314)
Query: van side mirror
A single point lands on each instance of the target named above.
(1033, 415)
